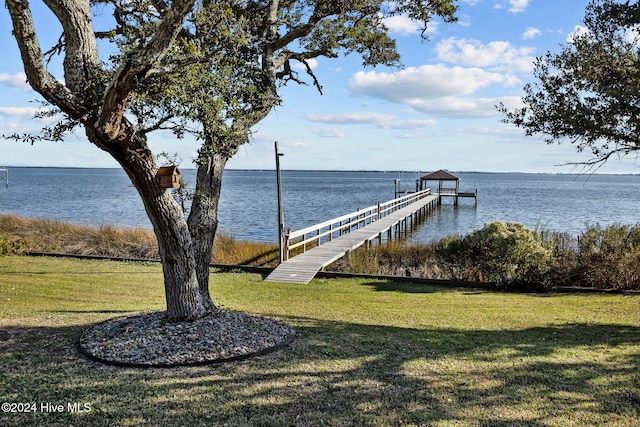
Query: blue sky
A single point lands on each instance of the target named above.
(437, 112)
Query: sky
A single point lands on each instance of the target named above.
(435, 112)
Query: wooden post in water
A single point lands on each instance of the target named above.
(6, 176)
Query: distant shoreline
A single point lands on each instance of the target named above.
(343, 171)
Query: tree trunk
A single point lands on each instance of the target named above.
(179, 265)
(203, 218)
(101, 109)
(177, 255)
(174, 240)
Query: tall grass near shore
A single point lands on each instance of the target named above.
(18, 234)
(396, 258)
(45, 235)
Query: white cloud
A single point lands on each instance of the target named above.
(23, 112)
(292, 144)
(13, 127)
(332, 132)
(412, 124)
(498, 55)
(518, 5)
(457, 107)
(448, 91)
(406, 26)
(18, 80)
(425, 82)
(385, 121)
(351, 118)
(511, 81)
(515, 6)
(578, 31)
(633, 36)
(21, 120)
(312, 62)
(413, 135)
(464, 20)
(531, 33)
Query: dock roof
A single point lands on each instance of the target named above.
(440, 175)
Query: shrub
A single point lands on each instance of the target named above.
(609, 258)
(514, 257)
(9, 246)
(508, 254)
(563, 271)
(449, 255)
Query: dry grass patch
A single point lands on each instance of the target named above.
(227, 250)
(45, 235)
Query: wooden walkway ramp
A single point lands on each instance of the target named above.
(302, 268)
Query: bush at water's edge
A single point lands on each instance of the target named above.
(514, 257)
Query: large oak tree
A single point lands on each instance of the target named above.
(589, 93)
(210, 68)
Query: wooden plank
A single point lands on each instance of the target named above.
(302, 268)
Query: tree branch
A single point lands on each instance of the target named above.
(57, 49)
(137, 64)
(298, 32)
(38, 77)
(287, 74)
(81, 61)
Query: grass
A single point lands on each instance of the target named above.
(46, 235)
(368, 353)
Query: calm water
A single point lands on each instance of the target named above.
(248, 206)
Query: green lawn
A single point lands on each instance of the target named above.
(368, 353)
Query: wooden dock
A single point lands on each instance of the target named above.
(444, 177)
(333, 239)
(455, 194)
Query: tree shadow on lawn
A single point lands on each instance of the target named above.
(416, 285)
(339, 373)
(410, 285)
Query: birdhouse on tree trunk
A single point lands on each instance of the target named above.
(169, 177)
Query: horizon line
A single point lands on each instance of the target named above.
(343, 170)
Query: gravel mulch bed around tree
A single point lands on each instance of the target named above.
(148, 340)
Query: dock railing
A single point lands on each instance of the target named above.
(299, 241)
